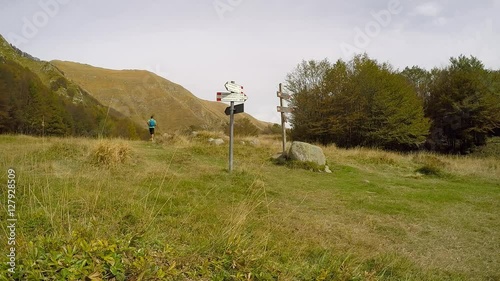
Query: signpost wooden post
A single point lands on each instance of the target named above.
(282, 109)
(283, 121)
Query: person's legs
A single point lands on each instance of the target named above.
(152, 132)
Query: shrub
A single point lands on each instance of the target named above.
(429, 170)
(244, 127)
(431, 165)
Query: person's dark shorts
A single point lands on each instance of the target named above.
(151, 130)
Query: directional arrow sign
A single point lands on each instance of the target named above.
(285, 109)
(233, 87)
(239, 108)
(234, 97)
(284, 96)
(221, 95)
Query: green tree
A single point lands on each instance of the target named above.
(348, 107)
(379, 106)
(310, 117)
(360, 102)
(464, 105)
(421, 80)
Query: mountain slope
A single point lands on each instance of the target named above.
(139, 94)
(36, 98)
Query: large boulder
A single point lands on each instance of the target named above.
(305, 152)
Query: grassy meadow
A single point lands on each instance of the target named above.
(135, 210)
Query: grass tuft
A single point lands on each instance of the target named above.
(111, 153)
(430, 165)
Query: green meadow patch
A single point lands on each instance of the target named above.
(132, 210)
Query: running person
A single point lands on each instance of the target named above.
(152, 125)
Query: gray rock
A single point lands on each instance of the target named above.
(305, 152)
(218, 142)
(254, 142)
(327, 170)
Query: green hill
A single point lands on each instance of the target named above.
(139, 93)
(132, 210)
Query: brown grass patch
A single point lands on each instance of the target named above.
(111, 152)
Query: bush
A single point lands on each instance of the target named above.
(431, 165)
(244, 127)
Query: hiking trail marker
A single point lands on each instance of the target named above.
(234, 94)
(282, 109)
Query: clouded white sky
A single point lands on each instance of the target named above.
(204, 43)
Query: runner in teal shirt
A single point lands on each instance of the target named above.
(152, 125)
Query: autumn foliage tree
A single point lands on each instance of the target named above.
(357, 103)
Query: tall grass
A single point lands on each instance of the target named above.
(365, 158)
(124, 210)
(111, 153)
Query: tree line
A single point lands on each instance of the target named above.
(362, 102)
(29, 107)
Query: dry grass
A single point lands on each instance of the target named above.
(365, 158)
(470, 166)
(176, 138)
(111, 152)
(366, 221)
(206, 135)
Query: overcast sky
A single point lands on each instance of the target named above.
(204, 43)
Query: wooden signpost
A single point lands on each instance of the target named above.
(282, 109)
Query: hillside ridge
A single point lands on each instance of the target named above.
(140, 93)
(37, 98)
